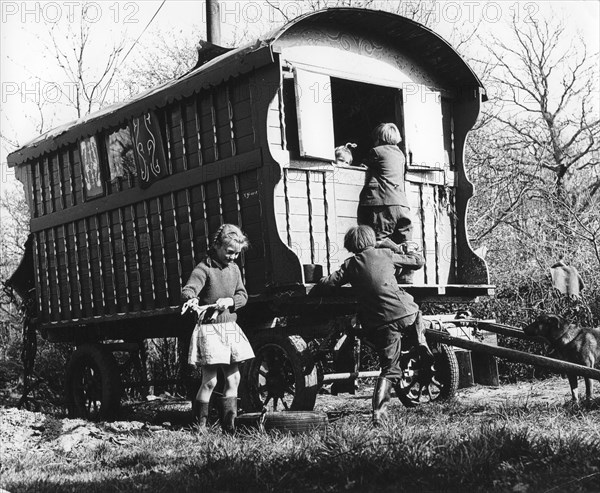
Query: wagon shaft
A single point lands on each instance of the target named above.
(514, 355)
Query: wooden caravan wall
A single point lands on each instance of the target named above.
(315, 209)
(132, 250)
(316, 203)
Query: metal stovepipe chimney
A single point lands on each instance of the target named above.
(213, 22)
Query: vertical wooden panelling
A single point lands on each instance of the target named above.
(214, 123)
(230, 201)
(44, 186)
(242, 117)
(36, 181)
(230, 208)
(185, 239)
(62, 266)
(213, 205)
(93, 243)
(250, 211)
(413, 193)
(184, 136)
(44, 295)
(174, 129)
(199, 220)
(56, 183)
(321, 252)
(223, 122)
(48, 185)
(428, 209)
(326, 219)
(53, 287)
(171, 249)
(85, 268)
(198, 127)
(286, 200)
(107, 267)
(207, 135)
(74, 272)
(76, 175)
(146, 269)
(132, 261)
(66, 179)
(116, 222)
(299, 215)
(190, 133)
(157, 248)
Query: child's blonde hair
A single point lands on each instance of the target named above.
(228, 234)
(345, 151)
(386, 133)
(357, 238)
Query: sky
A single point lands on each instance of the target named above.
(28, 80)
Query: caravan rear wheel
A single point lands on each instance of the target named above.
(93, 384)
(282, 375)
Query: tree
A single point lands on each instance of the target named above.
(534, 160)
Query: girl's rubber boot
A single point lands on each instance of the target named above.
(200, 413)
(381, 396)
(228, 413)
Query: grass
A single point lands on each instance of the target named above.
(441, 447)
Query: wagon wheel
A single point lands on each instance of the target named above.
(93, 384)
(282, 375)
(423, 385)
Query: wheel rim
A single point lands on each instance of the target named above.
(419, 385)
(87, 391)
(273, 374)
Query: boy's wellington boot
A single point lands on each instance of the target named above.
(381, 396)
(228, 413)
(200, 413)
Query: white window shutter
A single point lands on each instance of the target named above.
(315, 115)
(423, 127)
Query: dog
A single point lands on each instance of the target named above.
(580, 345)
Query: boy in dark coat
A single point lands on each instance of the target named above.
(385, 310)
(383, 204)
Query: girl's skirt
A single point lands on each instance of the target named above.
(219, 344)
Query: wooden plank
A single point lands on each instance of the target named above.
(74, 271)
(76, 174)
(514, 355)
(53, 284)
(119, 254)
(56, 182)
(42, 256)
(84, 265)
(157, 252)
(144, 256)
(132, 261)
(62, 266)
(206, 125)
(106, 262)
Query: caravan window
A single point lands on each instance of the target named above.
(323, 112)
(90, 164)
(121, 163)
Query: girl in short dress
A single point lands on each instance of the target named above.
(215, 292)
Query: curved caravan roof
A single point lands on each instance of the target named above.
(409, 37)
